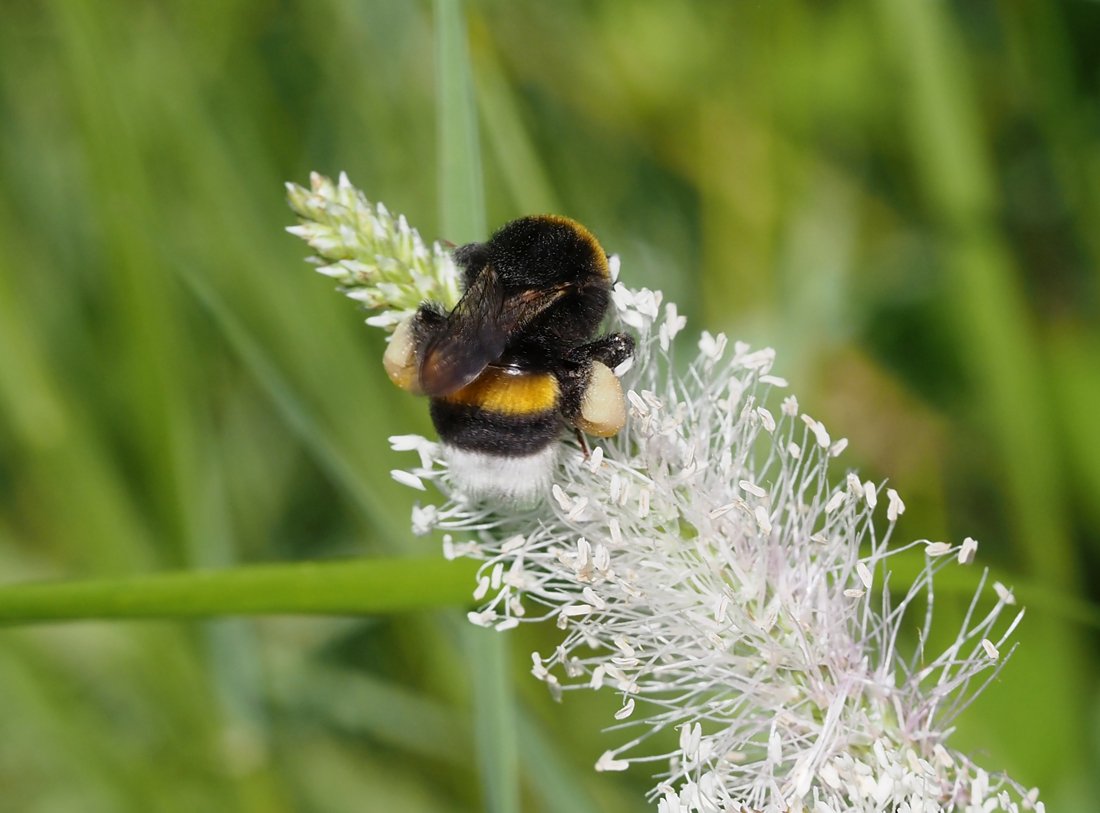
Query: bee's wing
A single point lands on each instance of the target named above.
(477, 331)
(471, 337)
(521, 309)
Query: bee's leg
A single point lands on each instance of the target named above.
(401, 357)
(592, 398)
(583, 441)
(610, 350)
(427, 320)
(573, 379)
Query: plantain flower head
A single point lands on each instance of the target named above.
(714, 567)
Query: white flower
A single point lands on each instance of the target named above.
(708, 570)
(708, 566)
(377, 259)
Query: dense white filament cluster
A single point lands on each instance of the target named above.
(711, 566)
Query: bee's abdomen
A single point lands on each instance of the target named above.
(505, 435)
(502, 412)
(504, 391)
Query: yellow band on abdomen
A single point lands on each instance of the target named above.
(507, 392)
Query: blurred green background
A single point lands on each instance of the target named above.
(902, 197)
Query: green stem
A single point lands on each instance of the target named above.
(351, 587)
(461, 195)
(462, 215)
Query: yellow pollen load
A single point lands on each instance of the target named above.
(507, 392)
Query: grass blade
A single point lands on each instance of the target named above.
(462, 215)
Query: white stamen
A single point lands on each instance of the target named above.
(967, 551)
(408, 479)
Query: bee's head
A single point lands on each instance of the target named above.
(471, 258)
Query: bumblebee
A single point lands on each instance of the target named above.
(516, 361)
